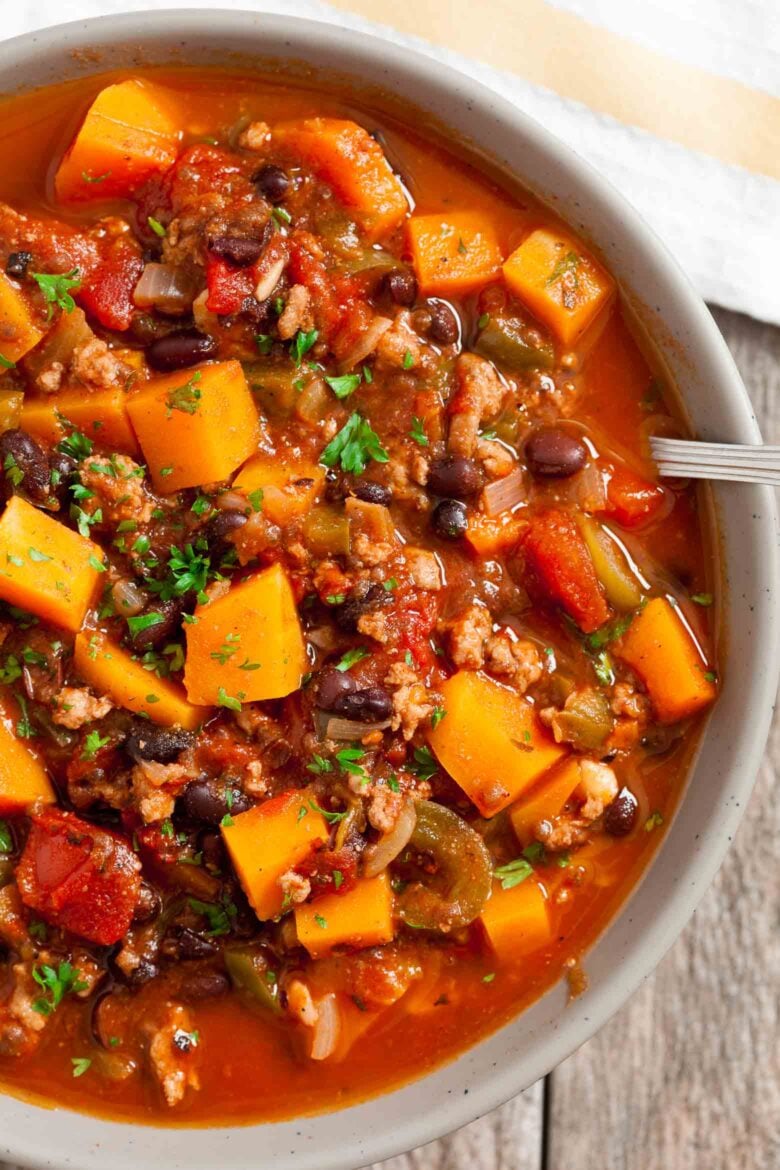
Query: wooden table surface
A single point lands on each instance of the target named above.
(687, 1075)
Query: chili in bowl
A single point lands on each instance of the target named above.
(353, 657)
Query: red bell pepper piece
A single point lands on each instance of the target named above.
(78, 877)
(631, 500)
(228, 286)
(558, 567)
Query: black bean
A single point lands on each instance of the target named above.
(401, 286)
(219, 526)
(237, 250)
(207, 801)
(148, 906)
(203, 985)
(454, 477)
(449, 519)
(553, 453)
(177, 351)
(332, 686)
(153, 636)
(362, 600)
(143, 973)
(272, 182)
(183, 943)
(372, 704)
(373, 493)
(20, 453)
(147, 741)
(444, 328)
(17, 264)
(620, 817)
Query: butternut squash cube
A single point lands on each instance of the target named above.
(453, 254)
(491, 742)
(102, 417)
(559, 282)
(545, 800)
(363, 917)
(663, 653)
(18, 330)
(289, 489)
(23, 778)
(110, 670)
(517, 921)
(126, 137)
(45, 567)
(353, 163)
(196, 426)
(246, 645)
(269, 840)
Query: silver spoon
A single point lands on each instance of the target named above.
(738, 463)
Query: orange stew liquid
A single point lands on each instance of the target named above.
(352, 656)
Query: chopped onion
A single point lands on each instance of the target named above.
(267, 283)
(313, 402)
(351, 729)
(327, 1030)
(205, 320)
(128, 599)
(503, 494)
(232, 502)
(376, 858)
(164, 287)
(366, 343)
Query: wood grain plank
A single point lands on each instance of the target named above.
(510, 1138)
(687, 1075)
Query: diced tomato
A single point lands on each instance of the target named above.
(322, 867)
(631, 500)
(330, 296)
(107, 292)
(558, 568)
(78, 877)
(416, 618)
(228, 286)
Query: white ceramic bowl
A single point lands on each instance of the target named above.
(717, 404)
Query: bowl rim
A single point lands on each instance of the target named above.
(100, 1148)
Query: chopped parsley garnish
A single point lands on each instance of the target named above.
(95, 178)
(349, 760)
(156, 226)
(336, 598)
(568, 263)
(321, 922)
(264, 343)
(331, 817)
(93, 743)
(319, 765)
(608, 633)
(438, 714)
(654, 821)
(227, 649)
(390, 584)
(483, 321)
(343, 385)
(57, 982)
(302, 343)
(514, 872)
(281, 215)
(417, 432)
(6, 840)
(256, 499)
(200, 505)
(37, 556)
(144, 621)
(703, 599)
(56, 288)
(6, 363)
(354, 445)
(408, 361)
(338, 879)
(352, 656)
(76, 444)
(24, 728)
(602, 667)
(424, 765)
(226, 700)
(185, 398)
(188, 569)
(81, 1064)
(219, 917)
(392, 784)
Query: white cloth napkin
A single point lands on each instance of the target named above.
(721, 221)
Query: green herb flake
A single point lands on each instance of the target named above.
(483, 321)
(93, 743)
(392, 784)
(344, 384)
(264, 343)
(513, 873)
(321, 922)
(654, 821)
(351, 657)
(424, 765)
(226, 700)
(219, 917)
(57, 288)
(281, 215)
(703, 599)
(144, 621)
(332, 818)
(354, 445)
(489, 977)
(57, 982)
(302, 343)
(156, 226)
(6, 840)
(256, 499)
(185, 398)
(81, 1064)
(417, 432)
(6, 363)
(319, 765)
(438, 714)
